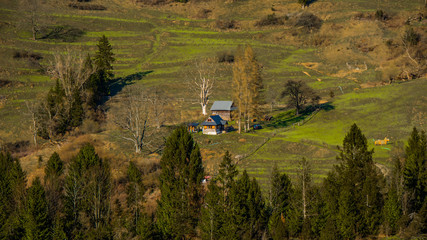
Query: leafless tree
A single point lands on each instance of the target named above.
(133, 117)
(31, 14)
(299, 94)
(202, 81)
(32, 108)
(157, 108)
(71, 70)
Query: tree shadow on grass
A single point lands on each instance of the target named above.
(289, 118)
(309, 2)
(61, 33)
(117, 84)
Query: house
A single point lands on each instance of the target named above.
(223, 109)
(192, 127)
(213, 125)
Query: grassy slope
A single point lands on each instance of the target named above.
(165, 41)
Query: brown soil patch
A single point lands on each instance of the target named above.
(372, 84)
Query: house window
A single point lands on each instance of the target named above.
(206, 127)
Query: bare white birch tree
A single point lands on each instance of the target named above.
(133, 117)
(202, 81)
(304, 181)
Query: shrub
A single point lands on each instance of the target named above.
(226, 24)
(90, 126)
(410, 37)
(81, 6)
(381, 15)
(25, 54)
(271, 19)
(308, 21)
(203, 13)
(225, 57)
(153, 2)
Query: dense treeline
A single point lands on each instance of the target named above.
(78, 200)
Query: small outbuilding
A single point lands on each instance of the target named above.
(213, 125)
(223, 109)
(193, 127)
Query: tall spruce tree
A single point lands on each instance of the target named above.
(180, 185)
(247, 216)
(54, 184)
(280, 197)
(353, 188)
(415, 170)
(217, 208)
(6, 194)
(211, 224)
(18, 183)
(87, 190)
(135, 191)
(103, 60)
(38, 224)
(76, 110)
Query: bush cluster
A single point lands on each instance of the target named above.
(271, 19)
(309, 21)
(225, 57)
(80, 6)
(25, 54)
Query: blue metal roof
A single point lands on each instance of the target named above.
(216, 120)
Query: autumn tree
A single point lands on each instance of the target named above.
(299, 94)
(180, 185)
(247, 85)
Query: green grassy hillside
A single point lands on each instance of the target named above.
(164, 41)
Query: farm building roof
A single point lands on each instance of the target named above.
(222, 105)
(216, 120)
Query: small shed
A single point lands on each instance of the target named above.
(223, 109)
(213, 125)
(192, 127)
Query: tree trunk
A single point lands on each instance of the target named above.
(304, 203)
(34, 33)
(204, 109)
(240, 119)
